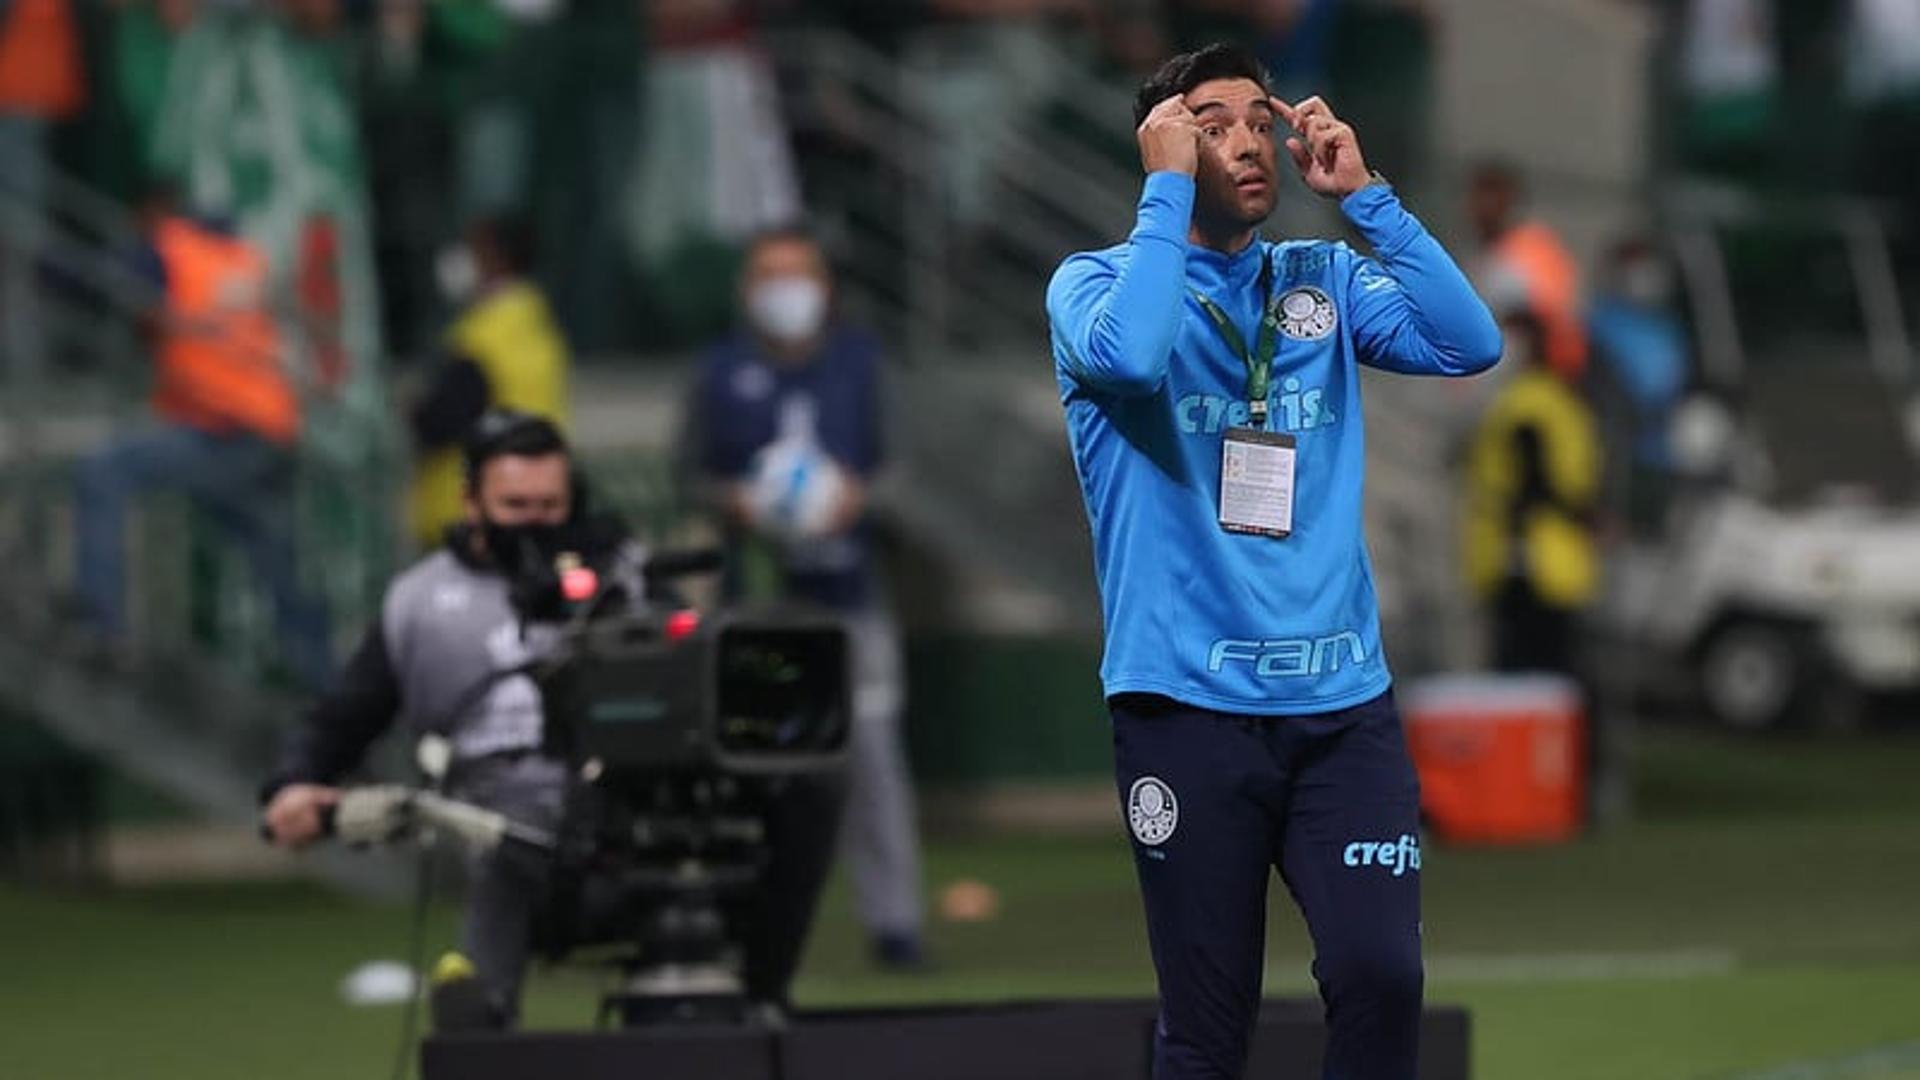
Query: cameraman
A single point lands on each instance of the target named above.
(447, 657)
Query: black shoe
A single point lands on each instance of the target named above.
(459, 1001)
(903, 953)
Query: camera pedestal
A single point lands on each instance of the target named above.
(1060, 1040)
(698, 994)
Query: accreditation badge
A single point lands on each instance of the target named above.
(1256, 482)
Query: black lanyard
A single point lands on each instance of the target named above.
(1259, 360)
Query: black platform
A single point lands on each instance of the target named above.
(1062, 1040)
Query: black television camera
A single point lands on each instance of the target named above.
(677, 729)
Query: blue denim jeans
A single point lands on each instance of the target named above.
(241, 482)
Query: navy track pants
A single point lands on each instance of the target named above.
(1213, 800)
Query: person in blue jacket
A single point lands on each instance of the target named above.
(1212, 389)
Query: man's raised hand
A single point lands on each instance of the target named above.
(1323, 148)
(1170, 139)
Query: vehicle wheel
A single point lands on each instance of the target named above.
(1753, 675)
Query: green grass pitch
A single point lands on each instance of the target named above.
(1761, 922)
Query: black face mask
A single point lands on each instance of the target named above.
(520, 550)
(524, 555)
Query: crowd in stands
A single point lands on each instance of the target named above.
(1799, 93)
(558, 110)
(544, 177)
(594, 120)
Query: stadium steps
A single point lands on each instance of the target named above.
(987, 488)
(199, 735)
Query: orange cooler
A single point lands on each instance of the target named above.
(1501, 757)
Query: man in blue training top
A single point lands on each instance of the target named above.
(1213, 401)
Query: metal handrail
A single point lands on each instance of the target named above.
(1888, 341)
(1717, 331)
(1039, 170)
(925, 262)
(1862, 225)
(1111, 114)
(124, 290)
(886, 110)
(110, 279)
(73, 197)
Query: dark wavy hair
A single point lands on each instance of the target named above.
(508, 433)
(1188, 70)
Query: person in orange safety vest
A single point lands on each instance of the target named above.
(1525, 266)
(226, 418)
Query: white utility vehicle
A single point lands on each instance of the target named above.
(1785, 587)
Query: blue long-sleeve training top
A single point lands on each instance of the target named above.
(1221, 620)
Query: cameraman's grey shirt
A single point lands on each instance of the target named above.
(435, 660)
(453, 641)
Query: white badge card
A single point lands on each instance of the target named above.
(1256, 482)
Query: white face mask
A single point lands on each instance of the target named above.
(458, 273)
(789, 310)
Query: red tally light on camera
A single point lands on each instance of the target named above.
(579, 583)
(682, 624)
